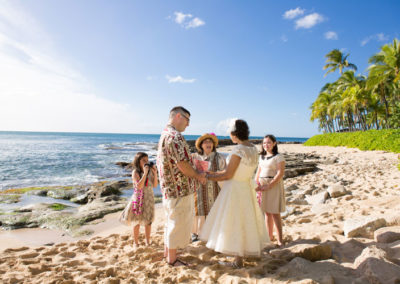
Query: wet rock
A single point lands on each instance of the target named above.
(80, 199)
(33, 207)
(58, 194)
(109, 188)
(39, 192)
(387, 234)
(23, 220)
(363, 227)
(125, 165)
(9, 198)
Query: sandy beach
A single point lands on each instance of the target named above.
(342, 226)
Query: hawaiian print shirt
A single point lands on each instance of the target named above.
(173, 148)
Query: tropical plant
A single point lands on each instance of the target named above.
(337, 60)
(384, 76)
(355, 102)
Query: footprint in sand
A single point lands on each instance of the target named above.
(16, 249)
(97, 247)
(68, 254)
(29, 255)
(50, 252)
(73, 263)
(99, 263)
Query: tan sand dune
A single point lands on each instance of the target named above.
(326, 239)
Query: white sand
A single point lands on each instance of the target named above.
(371, 179)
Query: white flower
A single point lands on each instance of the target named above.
(231, 125)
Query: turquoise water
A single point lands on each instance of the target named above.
(50, 158)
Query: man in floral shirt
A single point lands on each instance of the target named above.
(178, 182)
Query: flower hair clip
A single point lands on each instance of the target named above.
(232, 125)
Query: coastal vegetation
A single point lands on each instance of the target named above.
(384, 139)
(357, 102)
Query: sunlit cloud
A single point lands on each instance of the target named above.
(293, 13)
(40, 91)
(331, 35)
(187, 21)
(179, 79)
(309, 21)
(376, 37)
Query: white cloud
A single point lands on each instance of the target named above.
(224, 126)
(309, 21)
(179, 79)
(377, 37)
(331, 35)
(39, 91)
(180, 17)
(196, 22)
(187, 21)
(293, 13)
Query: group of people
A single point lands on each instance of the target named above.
(207, 197)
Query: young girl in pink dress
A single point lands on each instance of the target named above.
(140, 209)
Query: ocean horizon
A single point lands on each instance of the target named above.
(36, 159)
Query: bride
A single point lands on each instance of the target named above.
(235, 225)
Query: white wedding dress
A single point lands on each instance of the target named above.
(235, 224)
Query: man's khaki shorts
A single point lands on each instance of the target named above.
(179, 213)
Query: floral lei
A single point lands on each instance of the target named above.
(137, 205)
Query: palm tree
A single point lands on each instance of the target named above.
(336, 60)
(384, 76)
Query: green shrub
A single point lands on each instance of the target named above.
(386, 140)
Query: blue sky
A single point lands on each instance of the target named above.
(120, 66)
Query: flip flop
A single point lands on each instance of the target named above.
(178, 262)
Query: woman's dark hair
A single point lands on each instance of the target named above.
(201, 151)
(136, 162)
(274, 150)
(241, 131)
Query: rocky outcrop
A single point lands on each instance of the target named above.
(100, 199)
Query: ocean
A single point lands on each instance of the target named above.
(54, 158)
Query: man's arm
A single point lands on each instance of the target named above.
(188, 170)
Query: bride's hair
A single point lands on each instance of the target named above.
(241, 130)
(274, 150)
